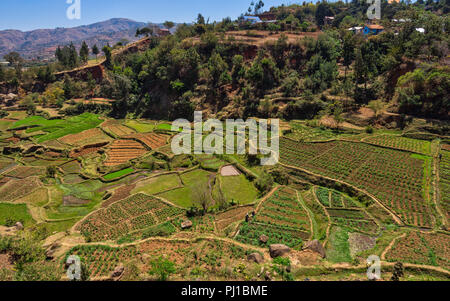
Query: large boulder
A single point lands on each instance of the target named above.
(263, 238)
(255, 257)
(50, 252)
(19, 226)
(118, 271)
(278, 250)
(186, 224)
(315, 246)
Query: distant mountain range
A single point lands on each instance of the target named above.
(42, 43)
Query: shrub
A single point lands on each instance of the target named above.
(369, 130)
(162, 268)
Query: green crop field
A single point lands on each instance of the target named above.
(13, 213)
(140, 127)
(118, 174)
(57, 128)
(238, 189)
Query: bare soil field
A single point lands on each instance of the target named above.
(94, 135)
(121, 151)
(229, 170)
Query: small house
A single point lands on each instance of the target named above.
(373, 29)
(251, 19)
(328, 20)
(163, 32)
(420, 29)
(356, 29)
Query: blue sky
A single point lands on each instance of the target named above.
(34, 14)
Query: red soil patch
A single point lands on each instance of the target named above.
(13, 140)
(119, 194)
(121, 151)
(446, 147)
(116, 128)
(229, 170)
(151, 140)
(170, 249)
(5, 262)
(84, 137)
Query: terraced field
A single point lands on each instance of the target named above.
(444, 174)
(91, 136)
(281, 218)
(67, 182)
(422, 248)
(134, 213)
(116, 128)
(403, 143)
(151, 140)
(398, 179)
(101, 260)
(344, 212)
(121, 151)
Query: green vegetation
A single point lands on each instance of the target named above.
(140, 127)
(158, 184)
(184, 196)
(162, 268)
(12, 213)
(118, 174)
(164, 126)
(338, 249)
(237, 188)
(57, 128)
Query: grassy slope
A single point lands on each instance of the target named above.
(57, 128)
(158, 184)
(118, 174)
(15, 212)
(140, 127)
(238, 188)
(184, 196)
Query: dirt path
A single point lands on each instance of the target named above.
(436, 185)
(266, 197)
(69, 244)
(300, 200)
(348, 267)
(391, 244)
(313, 191)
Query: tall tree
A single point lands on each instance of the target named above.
(84, 52)
(107, 51)
(73, 56)
(2, 73)
(95, 51)
(16, 61)
(348, 51)
(169, 25)
(200, 19)
(323, 10)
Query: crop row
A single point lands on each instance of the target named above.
(100, 261)
(134, 213)
(444, 181)
(281, 218)
(396, 178)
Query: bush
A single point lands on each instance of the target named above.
(264, 183)
(165, 229)
(369, 130)
(162, 267)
